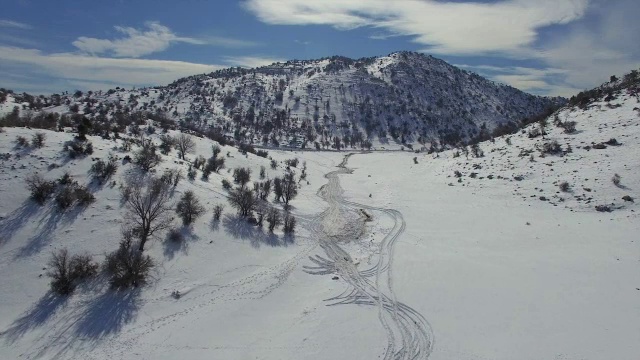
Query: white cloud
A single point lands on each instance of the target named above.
(544, 81)
(85, 68)
(250, 61)
(593, 51)
(226, 42)
(14, 24)
(155, 38)
(446, 27)
(135, 43)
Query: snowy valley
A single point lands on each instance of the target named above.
(523, 246)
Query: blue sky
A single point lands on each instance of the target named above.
(547, 47)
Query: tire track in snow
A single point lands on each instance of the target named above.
(409, 334)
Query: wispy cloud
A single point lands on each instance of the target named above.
(85, 68)
(154, 38)
(135, 43)
(14, 24)
(445, 27)
(250, 61)
(544, 81)
(226, 42)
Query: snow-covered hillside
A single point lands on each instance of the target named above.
(397, 255)
(580, 175)
(400, 98)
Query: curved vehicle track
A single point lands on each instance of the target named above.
(409, 334)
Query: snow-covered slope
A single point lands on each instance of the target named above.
(606, 143)
(403, 97)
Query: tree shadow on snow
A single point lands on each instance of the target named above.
(108, 313)
(39, 313)
(172, 246)
(239, 228)
(16, 220)
(46, 228)
(214, 224)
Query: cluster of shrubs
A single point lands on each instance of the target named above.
(248, 148)
(37, 140)
(124, 267)
(78, 148)
(104, 170)
(551, 147)
(247, 201)
(68, 191)
(68, 271)
(214, 164)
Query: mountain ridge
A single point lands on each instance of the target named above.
(404, 97)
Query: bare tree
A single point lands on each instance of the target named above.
(127, 266)
(262, 189)
(273, 218)
(277, 189)
(289, 187)
(243, 200)
(149, 209)
(241, 176)
(289, 224)
(146, 157)
(189, 208)
(184, 144)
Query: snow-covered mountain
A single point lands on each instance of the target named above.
(404, 97)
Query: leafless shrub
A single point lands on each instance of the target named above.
(128, 267)
(217, 211)
(22, 141)
(616, 179)
(67, 271)
(189, 208)
(40, 188)
(38, 139)
(243, 200)
(104, 170)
